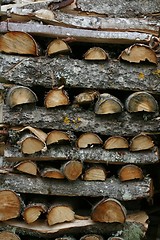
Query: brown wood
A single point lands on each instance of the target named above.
(33, 211)
(18, 95)
(130, 172)
(116, 142)
(137, 53)
(36, 131)
(108, 104)
(86, 97)
(58, 46)
(88, 139)
(141, 101)
(56, 97)
(10, 205)
(6, 235)
(91, 237)
(28, 167)
(95, 53)
(72, 169)
(141, 142)
(18, 42)
(95, 173)
(51, 172)
(109, 211)
(56, 136)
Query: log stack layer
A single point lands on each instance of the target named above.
(79, 112)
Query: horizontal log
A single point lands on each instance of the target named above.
(112, 187)
(78, 119)
(73, 73)
(90, 155)
(81, 35)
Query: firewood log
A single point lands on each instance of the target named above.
(141, 101)
(18, 42)
(88, 139)
(72, 169)
(5, 235)
(59, 213)
(58, 46)
(19, 95)
(33, 211)
(86, 97)
(56, 97)
(130, 172)
(28, 167)
(10, 205)
(91, 237)
(141, 142)
(95, 173)
(95, 53)
(56, 136)
(115, 142)
(51, 172)
(108, 104)
(138, 53)
(109, 211)
(36, 131)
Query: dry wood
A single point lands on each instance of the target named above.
(59, 214)
(141, 101)
(109, 211)
(95, 173)
(56, 97)
(36, 131)
(18, 95)
(115, 142)
(10, 205)
(56, 136)
(33, 211)
(138, 53)
(141, 142)
(52, 173)
(108, 104)
(28, 167)
(58, 46)
(72, 169)
(18, 42)
(130, 172)
(86, 97)
(88, 139)
(91, 237)
(96, 53)
(5, 235)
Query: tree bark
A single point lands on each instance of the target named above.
(79, 74)
(112, 187)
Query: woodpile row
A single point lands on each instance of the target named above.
(79, 120)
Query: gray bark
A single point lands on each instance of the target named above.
(79, 119)
(112, 187)
(73, 73)
(90, 155)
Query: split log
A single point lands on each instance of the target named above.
(115, 142)
(57, 137)
(58, 46)
(90, 155)
(141, 101)
(10, 205)
(141, 142)
(91, 237)
(109, 211)
(86, 97)
(36, 131)
(18, 42)
(130, 172)
(72, 169)
(52, 173)
(138, 53)
(56, 97)
(108, 104)
(28, 71)
(88, 139)
(112, 187)
(96, 53)
(95, 173)
(33, 211)
(28, 167)
(18, 95)
(5, 235)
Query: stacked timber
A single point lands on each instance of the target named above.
(79, 117)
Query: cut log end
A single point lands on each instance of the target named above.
(130, 172)
(95, 173)
(5, 235)
(116, 142)
(33, 212)
(31, 145)
(95, 53)
(28, 167)
(88, 139)
(58, 46)
(56, 137)
(52, 173)
(72, 169)
(86, 97)
(141, 142)
(92, 237)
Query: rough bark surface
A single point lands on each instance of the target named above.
(90, 155)
(112, 187)
(49, 72)
(78, 119)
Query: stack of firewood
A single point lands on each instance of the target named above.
(79, 119)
